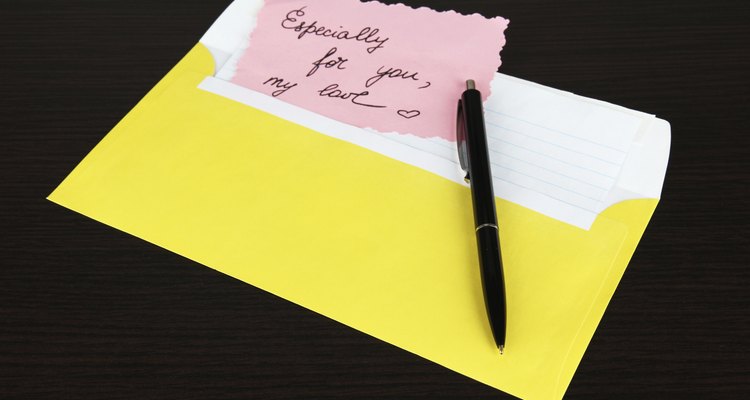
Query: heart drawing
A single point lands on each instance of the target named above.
(408, 114)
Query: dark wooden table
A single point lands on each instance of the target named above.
(89, 312)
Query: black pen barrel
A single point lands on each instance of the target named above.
(485, 216)
(490, 263)
(479, 160)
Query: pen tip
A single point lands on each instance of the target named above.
(470, 84)
(501, 348)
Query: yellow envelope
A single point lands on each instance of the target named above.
(379, 245)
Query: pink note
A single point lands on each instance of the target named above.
(387, 67)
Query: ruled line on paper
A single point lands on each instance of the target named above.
(570, 184)
(574, 172)
(594, 178)
(552, 147)
(573, 205)
(563, 166)
(551, 129)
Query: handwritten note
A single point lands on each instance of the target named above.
(392, 68)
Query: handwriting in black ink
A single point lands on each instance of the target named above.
(408, 114)
(392, 73)
(325, 62)
(333, 91)
(279, 83)
(367, 34)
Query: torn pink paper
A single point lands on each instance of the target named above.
(388, 67)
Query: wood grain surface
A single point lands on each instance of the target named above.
(89, 312)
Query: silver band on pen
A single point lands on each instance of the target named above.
(484, 226)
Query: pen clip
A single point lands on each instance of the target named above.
(461, 140)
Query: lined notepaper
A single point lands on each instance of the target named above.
(551, 151)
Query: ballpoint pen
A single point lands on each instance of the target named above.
(474, 158)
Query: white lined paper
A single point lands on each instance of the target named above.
(562, 160)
